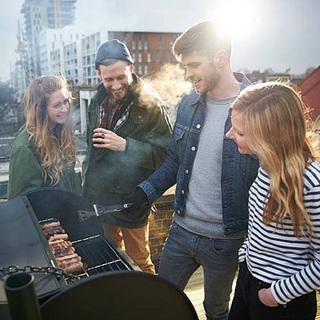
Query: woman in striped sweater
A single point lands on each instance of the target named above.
(279, 270)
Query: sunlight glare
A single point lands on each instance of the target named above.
(237, 18)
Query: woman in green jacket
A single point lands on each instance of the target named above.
(44, 152)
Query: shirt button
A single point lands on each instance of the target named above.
(198, 126)
(187, 171)
(193, 148)
(182, 191)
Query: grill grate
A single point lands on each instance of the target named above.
(98, 256)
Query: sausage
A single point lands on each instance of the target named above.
(62, 249)
(68, 257)
(59, 242)
(45, 225)
(53, 230)
(61, 252)
(74, 267)
(67, 263)
(62, 236)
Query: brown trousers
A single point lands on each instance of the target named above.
(133, 241)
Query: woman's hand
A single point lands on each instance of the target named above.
(266, 297)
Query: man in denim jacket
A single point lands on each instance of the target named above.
(212, 179)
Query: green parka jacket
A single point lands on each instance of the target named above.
(25, 172)
(109, 176)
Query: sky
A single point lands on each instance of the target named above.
(266, 34)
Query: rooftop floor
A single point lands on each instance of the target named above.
(194, 291)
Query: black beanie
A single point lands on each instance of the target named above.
(113, 49)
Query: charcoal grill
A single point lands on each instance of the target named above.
(25, 247)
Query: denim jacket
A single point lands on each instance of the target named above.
(238, 171)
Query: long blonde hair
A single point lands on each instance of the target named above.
(56, 149)
(275, 126)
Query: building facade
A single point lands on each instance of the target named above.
(38, 16)
(89, 47)
(310, 90)
(150, 50)
(72, 52)
(52, 45)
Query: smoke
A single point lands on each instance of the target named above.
(169, 82)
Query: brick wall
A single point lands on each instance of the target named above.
(160, 221)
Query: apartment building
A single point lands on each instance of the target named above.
(60, 52)
(72, 53)
(150, 50)
(40, 15)
(89, 46)
(53, 45)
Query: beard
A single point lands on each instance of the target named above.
(213, 80)
(207, 81)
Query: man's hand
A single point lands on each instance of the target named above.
(138, 199)
(107, 139)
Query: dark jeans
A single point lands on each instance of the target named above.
(185, 251)
(247, 306)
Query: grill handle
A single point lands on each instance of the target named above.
(21, 297)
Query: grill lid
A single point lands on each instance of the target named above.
(65, 206)
(120, 295)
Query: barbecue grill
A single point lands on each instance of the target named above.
(24, 247)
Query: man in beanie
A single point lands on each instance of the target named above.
(127, 134)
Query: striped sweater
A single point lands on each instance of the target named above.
(275, 255)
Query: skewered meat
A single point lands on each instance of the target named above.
(62, 249)
(68, 257)
(46, 225)
(50, 231)
(57, 236)
(75, 267)
(62, 252)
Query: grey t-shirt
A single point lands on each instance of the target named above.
(204, 205)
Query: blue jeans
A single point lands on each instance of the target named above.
(246, 304)
(184, 252)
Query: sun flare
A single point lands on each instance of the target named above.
(237, 18)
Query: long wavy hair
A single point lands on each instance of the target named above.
(275, 125)
(56, 148)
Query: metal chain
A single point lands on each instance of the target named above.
(33, 269)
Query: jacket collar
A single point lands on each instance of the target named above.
(202, 97)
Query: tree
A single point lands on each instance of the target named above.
(310, 70)
(6, 94)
